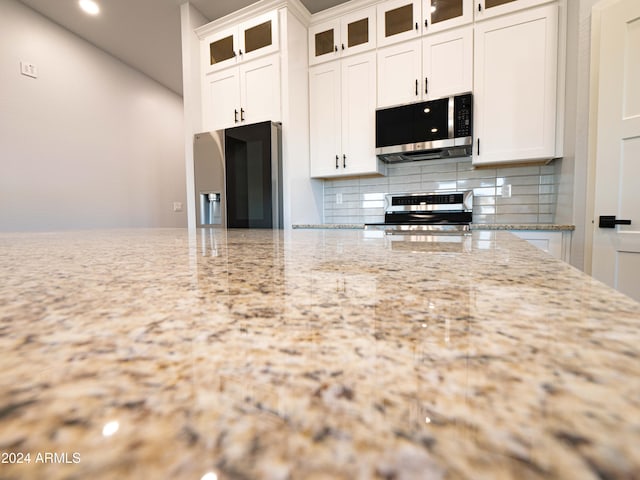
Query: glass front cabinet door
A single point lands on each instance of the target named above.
(398, 20)
(350, 34)
(323, 41)
(251, 39)
(442, 14)
(221, 49)
(491, 8)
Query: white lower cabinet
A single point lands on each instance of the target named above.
(515, 86)
(342, 117)
(558, 244)
(243, 94)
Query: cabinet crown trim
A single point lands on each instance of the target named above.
(247, 13)
(340, 10)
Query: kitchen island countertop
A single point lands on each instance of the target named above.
(311, 354)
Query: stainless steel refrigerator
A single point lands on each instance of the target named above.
(238, 176)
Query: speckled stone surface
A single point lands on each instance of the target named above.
(311, 354)
(330, 226)
(524, 226)
(474, 226)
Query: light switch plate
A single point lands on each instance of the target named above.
(29, 69)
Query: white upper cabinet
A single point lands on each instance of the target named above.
(350, 34)
(244, 42)
(400, 74)
(324, 39)
(342, 117)
(247, 93)
(515, 77)
(447, 63)
(398, 20)
(359, 115)
(436, 66)
(438, 15)
(325, 114)
(221, 99)
(490, 8)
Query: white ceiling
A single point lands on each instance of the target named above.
(144, 34)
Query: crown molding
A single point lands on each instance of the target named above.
(253, 10)
(342, 9)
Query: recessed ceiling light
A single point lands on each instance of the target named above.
(90, 7)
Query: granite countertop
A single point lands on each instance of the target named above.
(311, 354)
(474, 226)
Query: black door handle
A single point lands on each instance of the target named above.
(478, 147)
(609, 221)
(337, 165)
(426, 84)
(242, 114)
(416, 87)
(426, 23)
(344, 161)
(416, 26)
(479, 7)
(235, 115)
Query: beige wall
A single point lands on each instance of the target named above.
(90, 143)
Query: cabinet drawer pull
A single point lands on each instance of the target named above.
(337, 159)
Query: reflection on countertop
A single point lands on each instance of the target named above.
(305, 354)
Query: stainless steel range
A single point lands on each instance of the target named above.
(442, 212)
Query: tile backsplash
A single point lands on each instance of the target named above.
(533, 191)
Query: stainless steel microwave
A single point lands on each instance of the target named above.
(438, 128)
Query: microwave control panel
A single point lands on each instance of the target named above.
(462, 112)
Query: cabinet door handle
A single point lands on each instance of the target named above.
(235, 115)
(478, 147)
(344, 161)
(242, 114)
(426, 23)
(337, 159)
(335, 47)
(240, 51)
(416, 26)
(479, 7)
(426, 84)
(416, 87)
(343, 46)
